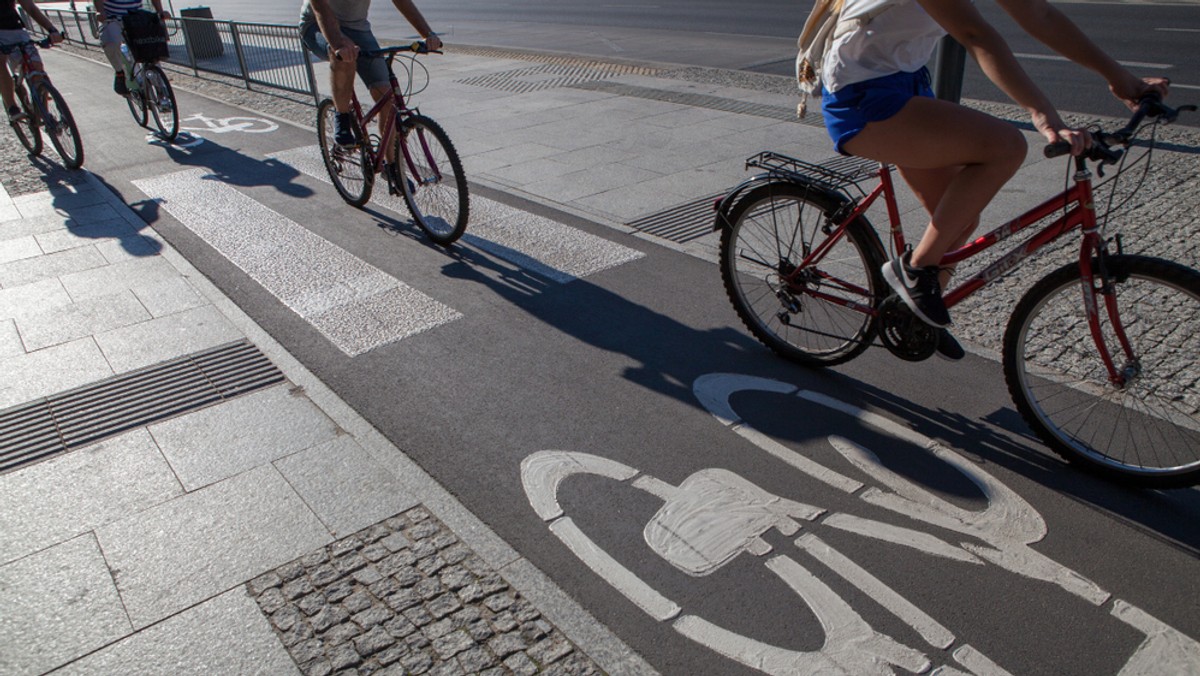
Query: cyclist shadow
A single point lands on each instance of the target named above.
(669, 356)
(229, 165)
(86, 218)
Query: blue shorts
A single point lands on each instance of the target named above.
(372, 69)
(852, 107)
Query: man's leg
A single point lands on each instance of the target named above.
(8, 90)
(112, 39)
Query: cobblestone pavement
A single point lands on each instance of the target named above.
(405, 596)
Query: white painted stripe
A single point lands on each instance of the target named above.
(933, 632)
(355, 305)
(1178, 30)
(621, 578)
(1128, 64)
(535, 243)
(1165, 651)
(1183, 86)
(898, 535)
(978, 663)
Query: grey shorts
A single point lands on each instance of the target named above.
(372, 70)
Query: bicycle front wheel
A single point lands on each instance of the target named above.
(60, 126)
(1144, 432)
(433, 184)
(137, 103)
(27, 129)
(349, 168)
(816, 315)
(160, 99)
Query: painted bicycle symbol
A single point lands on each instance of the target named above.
(225, 125)
(715, 515)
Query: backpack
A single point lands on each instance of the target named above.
(823, 26)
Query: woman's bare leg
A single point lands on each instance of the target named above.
(928, 134)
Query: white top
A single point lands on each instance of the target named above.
(901, 38)
(350, 14)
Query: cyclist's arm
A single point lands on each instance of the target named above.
(340, 46)
(1054, 29)
(44, 21)
(409, 9)
(983, 42)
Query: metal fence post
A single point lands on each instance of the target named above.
(312, 77)
(237, 47)
(948, 72)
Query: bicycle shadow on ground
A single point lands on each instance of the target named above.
(671, 355)
(231, 166)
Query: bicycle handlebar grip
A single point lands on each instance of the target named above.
(1057, 149)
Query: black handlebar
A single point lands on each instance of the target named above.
(419, 46)
(1151, 106)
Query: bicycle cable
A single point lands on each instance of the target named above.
(410, 66)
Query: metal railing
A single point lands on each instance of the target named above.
(259, 54)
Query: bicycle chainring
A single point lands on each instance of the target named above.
(902, 333)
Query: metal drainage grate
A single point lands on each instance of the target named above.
(542, 57)
(781, 113)
(69, 420)
(682, 223)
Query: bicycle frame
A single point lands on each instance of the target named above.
(1075, 201)
(395, 99)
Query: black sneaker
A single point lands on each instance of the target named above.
(119, 85)
(948, 348)
(343, 130)
(919, 289)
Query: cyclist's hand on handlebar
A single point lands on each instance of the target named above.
(1133, 90)
(55, 38)
(1056, 131)
(344, 50)
(433, 43)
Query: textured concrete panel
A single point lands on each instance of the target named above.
(168, 297)
(205, 543)
(57, 605)
(165, 338)
(17, 249)
(44, 504)
(46, 327)
(42, 294)
(305, 272)
(28, 270)
(225, 635)
(536, 243)
(220, 441)
(81, 234)
(10, 340)
(132, 274)
(347, 488)
(54, 369)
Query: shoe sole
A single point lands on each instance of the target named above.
(894, 281)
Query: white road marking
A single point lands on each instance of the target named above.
(541, 245)
(355, 305)
(714, 515)
(1128, 64)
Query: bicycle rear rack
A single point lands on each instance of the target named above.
(837, 173)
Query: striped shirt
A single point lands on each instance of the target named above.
(121, 7)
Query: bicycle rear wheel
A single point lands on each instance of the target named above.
(432, 182)
(60, 126)
(1146, 432)
(27, 129)
(137, 103)
(822, 317)
(350, 170)
(160, 99)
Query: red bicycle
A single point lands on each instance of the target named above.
(1101, 356)
(430, 177)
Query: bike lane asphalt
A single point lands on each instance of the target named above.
(494, 315)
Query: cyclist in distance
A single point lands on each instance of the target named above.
(339, 30)
(878, 104)
(12, 32)
(110, 13)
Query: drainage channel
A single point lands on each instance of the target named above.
(75, 418)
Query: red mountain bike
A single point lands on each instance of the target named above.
(1101, 357)
(426, 172)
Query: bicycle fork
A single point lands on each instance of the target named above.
(1099, 280)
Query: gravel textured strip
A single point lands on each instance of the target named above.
(406, 596)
